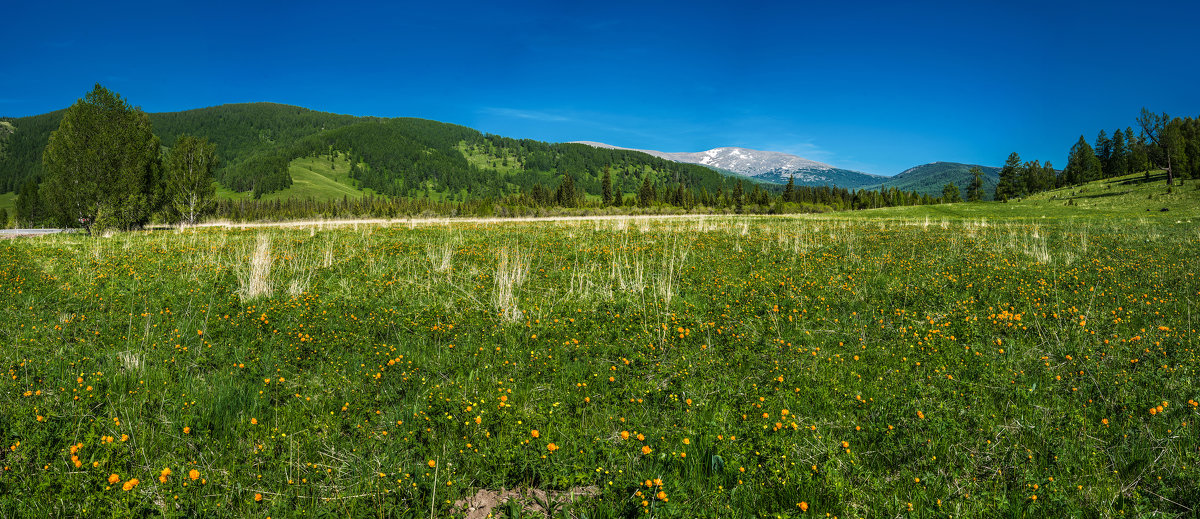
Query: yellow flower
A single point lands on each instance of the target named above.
(624, 435)
(130, 484)
(432, 463)
(552, 447)
(534, 433)
(113, 479)
(646, 449)
(254, 421)
(257, 498)
(194, 474)
(803, 506)
(187, 430)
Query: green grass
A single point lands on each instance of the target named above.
(8, 201)
(313, 178)
(967, 363)
(1132, 196)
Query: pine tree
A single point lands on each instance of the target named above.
(737, 196)
(1048, 176)
(566, 196)
(1118, 160)
(1082, 164)
(789, 192)
(1103, 151)
(1163, 141)
(1030, 177)
(606, 191)
(1006, 187)
(975, 188)
(951, 193)
(1174, 148)
(646, 193)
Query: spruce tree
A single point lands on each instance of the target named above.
(951, 193)
(1118, 161)
(1006, 187)
(646, 193)
(1030, 177)
(1103, 150)
(103, 164)
(1048, 176)
(975, 188)
(738, 199)
(789, 192)
(1082, 164)
(606, 190)
(566, 196)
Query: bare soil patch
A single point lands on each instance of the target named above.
(485, 503)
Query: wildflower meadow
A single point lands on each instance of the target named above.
(628, 367)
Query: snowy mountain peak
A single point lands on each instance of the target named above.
(768, 166)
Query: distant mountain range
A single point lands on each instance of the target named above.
(776, 167)
(765, 166)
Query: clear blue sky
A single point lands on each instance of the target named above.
(872, 86)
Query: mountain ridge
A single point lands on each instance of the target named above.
(775, 167)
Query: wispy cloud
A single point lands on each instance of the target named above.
(534, 115)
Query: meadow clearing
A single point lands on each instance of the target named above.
(819, 366)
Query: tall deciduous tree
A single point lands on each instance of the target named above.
(189, 175)
(103, 164)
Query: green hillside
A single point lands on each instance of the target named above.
(239, 130)
(258, 144)
(8, 201)
(929, 179)
(315, 178)
(1130, 196)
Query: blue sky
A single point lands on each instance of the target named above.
(872, 86)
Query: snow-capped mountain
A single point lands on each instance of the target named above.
(767, 166)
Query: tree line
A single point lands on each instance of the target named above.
(104, 168)
(1171, 144)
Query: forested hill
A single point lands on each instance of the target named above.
(240, 131)
(930, 179)
(393, 156)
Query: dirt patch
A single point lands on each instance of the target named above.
(485, 503)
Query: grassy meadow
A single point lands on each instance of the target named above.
(8, 201)
(901, 365)
(317, 178)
